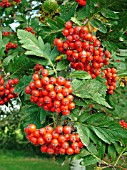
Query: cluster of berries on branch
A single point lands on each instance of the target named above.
(59, 140)
(6, 33)
(81, 2)
(123, 124)
(7, 90)
(30, 29)
(10, 45)
(82, 49)
(84, 52)
(6, 3)
(53, 94)
(111, 77)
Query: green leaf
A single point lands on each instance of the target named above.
(83, 131)
(89, 160)
(92, 148)
(60, 22)
(30, 42)
(112, 152)
(107, 13)
(80, 102)
(94, 138)
(84, 117)
(62, 65)
(43, 115)
(32, 118)
(101, 150)
(79, 74)
(23, 82)
(76, 21)
(29, 109)
(67, 11)
(47, 49)
(83, 153)
(118, 147)
(75, 113)
(122, 52)
(41, 43)
(54, 53)
(91, 89)
(50, 5)
(122, 73)
(98, 118)
(52, 24)
(100, 134)
(98, 24)
(21, 67)
(7, 60)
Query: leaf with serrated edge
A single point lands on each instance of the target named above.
(83, 131)
(80, 74)
(31, 43)
(100, 135)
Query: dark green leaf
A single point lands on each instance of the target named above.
(52, 24)
(22, 84)
(21, 67)
(54, 53)
(62, 65)
(60, 22)
(101, 150)
(98, 24)
(112, 152)
(7, 60)
(43, 115)
(67, 11)
(83, 153)
(94, 138)
(89, 160)
(84, 117)
(118, 148)
(107, 13)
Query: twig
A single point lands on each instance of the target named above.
(119, 158)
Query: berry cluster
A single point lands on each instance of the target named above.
(81, 2)
(7, 90)
(30, 29)
(60, 140)
(6, 33)
(53, 94)
(10, 45)
(111, 77)
(82, 49)
(6, 3)
(38, 68)
(123, 124)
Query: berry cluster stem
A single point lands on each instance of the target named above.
(52, 66)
